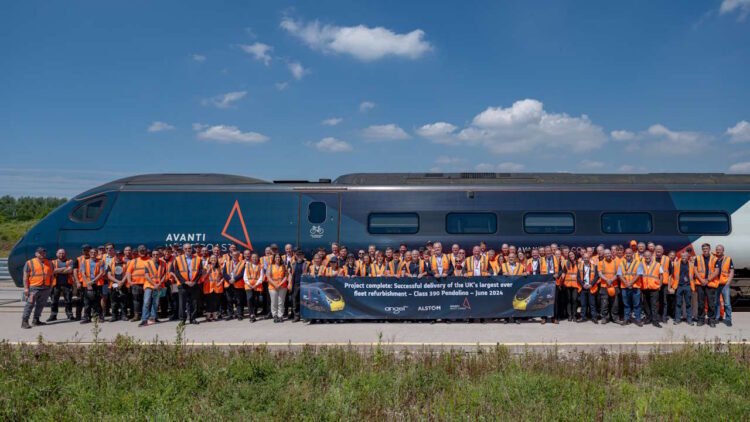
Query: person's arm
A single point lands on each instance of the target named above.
(178, 275)
(26, 279)
(259, 281)
(731, 272)
(110, 276)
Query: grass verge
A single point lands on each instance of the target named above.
(10, 232)
(127, 380)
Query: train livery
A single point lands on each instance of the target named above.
(526, 209)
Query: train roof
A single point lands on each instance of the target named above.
(228, 182)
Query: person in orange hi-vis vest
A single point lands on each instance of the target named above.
(588, 280)
(92, 278)
(609, 289)
(213, 287)
(188, 271)
(630, 273)
(62, 284)
(136, 278)
(724, 271)
(118, 286)
(652, 281)
(278, 280)
(37, 285)
(155, 274)
(683, 282)
(706, 284)
(666, 301)
(570, 281)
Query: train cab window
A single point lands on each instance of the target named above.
(549, 223)
(89, 211)
(626, 223)
(316, 212)
(471, 223)
(393, 223)
(704, 223)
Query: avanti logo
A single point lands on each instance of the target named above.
(236, 210)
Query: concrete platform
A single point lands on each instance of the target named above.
(565, 337)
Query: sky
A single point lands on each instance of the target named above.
(93, 91)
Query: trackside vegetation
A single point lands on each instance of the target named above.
(158, 381)
(18, 215)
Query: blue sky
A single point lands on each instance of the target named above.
(93, 91)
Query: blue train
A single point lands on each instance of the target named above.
(526, 209)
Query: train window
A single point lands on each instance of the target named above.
(471, 223)
(626, 223)
(549, 223)
(89, 211)
(316, 212)
(704, 223)
(393, 223)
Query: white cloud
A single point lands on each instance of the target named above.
(389, 132)
(730, 6)
(281, 85)
(525, 126)
(158, 126)
(361, 42)
(228, 134)
(739, 132)
(366, 105)
(622, 135)
(259, 51)
(676, 142)
(333, 121)
(590, 164)
(508, 167)
(331, 144)
(225, 100)
(297, 70)
(439, 132)
(199, 58)
(743, 167)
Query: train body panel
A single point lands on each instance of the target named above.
(147, 210)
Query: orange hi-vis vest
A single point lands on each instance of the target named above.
(168, 269)
(726, 263)
(541, 266)
(651, 277)
(381, 270)
(700, 269)
(469, 266)
(630, 273)
(518, 270)
(406, 266)
(277, 277)
(40, 272)
(664, 263)
(345, 271)
(113, 268)
(366, 270)
(137, 270)
(495, 266)
(445, 261)
(155, 272)
(571, 275)
(188, 273)
(608, 269)
(233, 269)
(214, 280)
(676, 274)
(252, 271)
(86, 272)
(55, 264)
(316, 270)
(592, 275)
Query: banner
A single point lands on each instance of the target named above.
(427, 298)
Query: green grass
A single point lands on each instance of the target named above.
(11, 232)
(126, 380)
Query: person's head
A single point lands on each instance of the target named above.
(142, 251)
(92, 253)
(41, 253)
(512, 258)
(402, 248)
(415, 255)
(633, 245)
(462, 254)
(483, 246)
(299, 255)
(85, 250)
(350, 260)
(455, 248)
(706, 249)
(335, 248)
(647, 256)
(246, 254)
(672, 255)
(641, 247)
(520, 256)
(379, 257)
(277, 259)
(274, 248)
(476, 251)
(534, 253)
(168, 254)
(216, 251)
(254, 258)
(437, 249)
(60, 254)
(505, 249)
(607, 254)
(389, 253)
(620, 251)
(367, 259)
(600, 250)
(491, 254)
(268, 252)
(288, 249)
(586, 257)
(155, 255)
(629, 254)
(127, 251)
(344, 252)
(317, 259)
(658, 251)
(235, 255)
(119, 255)
(651, 246)
(333, 263)
(360, 253)
(101, 250)
(109, 248)
(512, 249)
(205, 252)
(232, 248)
(571, 256)
(719, 250)
(213, 261)
(684, 256)
(548, 251)
(371, 250)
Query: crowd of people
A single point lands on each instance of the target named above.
(598, 284)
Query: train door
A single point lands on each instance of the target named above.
(318, 220)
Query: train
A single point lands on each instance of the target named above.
(677, 210)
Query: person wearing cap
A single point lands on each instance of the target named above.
(115, 273)
(333, 267)
(62, 267)
(37, 284)
(136, 278)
